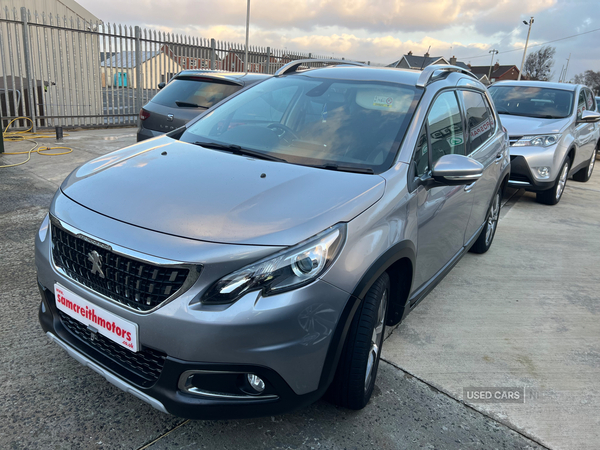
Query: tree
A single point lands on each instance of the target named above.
(590, 78)
(538, 65)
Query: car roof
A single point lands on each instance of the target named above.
(408, 77)
(361, 73)
(240, 78)
(540, 84)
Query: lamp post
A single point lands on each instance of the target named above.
(247, 31)
(493, 52)
(526, 42)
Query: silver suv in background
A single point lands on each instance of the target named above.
(244, 265)
(189, 93)
(553, 134)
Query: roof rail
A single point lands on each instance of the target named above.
(428, 72)
(295, 65)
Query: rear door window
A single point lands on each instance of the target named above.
(445, 127)
(190, 92)
(581, 104)
(480, 122)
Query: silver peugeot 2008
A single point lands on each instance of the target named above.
(249, 262)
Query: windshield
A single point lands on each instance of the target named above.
(312, 121)
(194, 93)
(532, 101)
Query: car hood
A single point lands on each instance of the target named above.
(185, 190)
(523, 126)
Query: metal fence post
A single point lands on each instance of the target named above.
(138, 72)
(27, 58)
(213, 54)
(268, 64)
(1, 132)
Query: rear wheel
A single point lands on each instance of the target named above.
(585, 174)
(355, 376)
(553, 195)
(485, 239)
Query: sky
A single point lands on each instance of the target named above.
(381, 31)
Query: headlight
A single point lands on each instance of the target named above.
(538, 141)
(43, 231)
(286, 270)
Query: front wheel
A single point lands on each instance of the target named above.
(553, 195)
(585, 174)
(485, 239)
(356, 372)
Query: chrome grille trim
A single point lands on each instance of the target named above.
(193, 270)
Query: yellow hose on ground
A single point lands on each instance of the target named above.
(28, 135)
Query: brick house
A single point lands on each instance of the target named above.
(499, 73)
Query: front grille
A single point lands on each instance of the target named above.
(147, 364)
(138, 285)
(514, 139)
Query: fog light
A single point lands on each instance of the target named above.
(256, 383)
(543, 172)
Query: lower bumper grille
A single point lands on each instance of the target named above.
(146, 364)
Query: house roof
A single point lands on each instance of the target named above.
(419, 62)
(497, 71)
(126, 60)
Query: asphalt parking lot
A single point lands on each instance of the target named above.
(525, 314)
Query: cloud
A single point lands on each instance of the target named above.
(380, 16)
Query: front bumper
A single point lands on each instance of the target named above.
(163, 394)
(287, 339)
(522, 177)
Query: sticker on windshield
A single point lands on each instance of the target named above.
(383, 100)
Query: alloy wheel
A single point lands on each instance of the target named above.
(376, 340)
(562, 181)
(492, 221)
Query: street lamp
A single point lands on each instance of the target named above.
(247, 31)
(493, 52)
(526, 42)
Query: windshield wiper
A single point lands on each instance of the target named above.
(189, 105)
(237, 150)
(345, 168)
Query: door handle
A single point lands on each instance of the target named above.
(468, 187)
(499, 157)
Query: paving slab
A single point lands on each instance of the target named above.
(525, 314)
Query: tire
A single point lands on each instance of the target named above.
(486, 237)
(357, 370)
(553, 195)
(585, 174)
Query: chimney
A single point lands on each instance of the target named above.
(427, 55)
(410, 53)
(496, 66)
(453, 61)
(469, 66)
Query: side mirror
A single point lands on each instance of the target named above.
(161, 85)
(455, 170)
(589, 117)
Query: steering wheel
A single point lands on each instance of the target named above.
(286, 131)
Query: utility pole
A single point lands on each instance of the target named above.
(562, 69)
(566, 68)
(493, 52)
(526, 43)
(247, 33)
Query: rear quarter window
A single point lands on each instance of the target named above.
(479, 118)
(198, 92)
